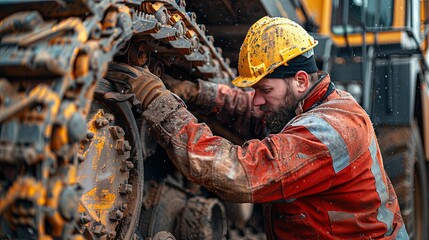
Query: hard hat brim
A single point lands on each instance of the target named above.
(245, 82)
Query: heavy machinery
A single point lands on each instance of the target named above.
(76, 159)
(70, 148)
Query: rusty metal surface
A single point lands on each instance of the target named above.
(103, 174)
(73, 171)
(48, 81)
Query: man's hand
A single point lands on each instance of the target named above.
(186, 90)
(145, 85)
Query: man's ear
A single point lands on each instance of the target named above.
(302, 81)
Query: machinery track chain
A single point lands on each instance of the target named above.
(52, 56)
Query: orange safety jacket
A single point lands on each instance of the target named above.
(321, 177)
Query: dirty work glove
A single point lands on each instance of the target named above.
(186, 90)
(140, 81)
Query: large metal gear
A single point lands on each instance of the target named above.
(110, 170)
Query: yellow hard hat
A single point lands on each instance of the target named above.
(269, 43)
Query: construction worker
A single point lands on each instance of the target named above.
(319, 173)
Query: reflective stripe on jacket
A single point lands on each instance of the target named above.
(321, 177)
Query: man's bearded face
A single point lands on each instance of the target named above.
(276, 119)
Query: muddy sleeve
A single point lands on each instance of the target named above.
(205, 159)
(232, 107)
(236, 101)
(253, 172)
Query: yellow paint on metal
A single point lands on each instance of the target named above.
(98, 202)
(44, 94)
(424, 8)
(321, 12)
(110, 20)
(356, 39)
(44, 237)
(152, 7)
(57, 223)
(60, 133)
(82, 32)
(316, 8)
(190, 33)
(71, 174)
(82, 65)
(175, 18)
(72, 23)
(99, 142)
(59, 138)
(55, 192)
(98, 205)
(91, 127)
(78, 237)
(25, 188)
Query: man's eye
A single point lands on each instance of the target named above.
(266, 90)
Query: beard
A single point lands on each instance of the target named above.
(276, 121)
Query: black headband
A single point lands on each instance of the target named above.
(294, 65)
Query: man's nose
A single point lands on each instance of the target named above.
(258, 100)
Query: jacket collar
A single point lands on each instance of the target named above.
(318, 92)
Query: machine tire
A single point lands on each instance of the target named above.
(402, 152)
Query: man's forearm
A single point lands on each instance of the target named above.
(205, 159)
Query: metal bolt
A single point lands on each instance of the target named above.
(125, 188)
(117, 132)
(127, 146)
(129, 188)
(119, 214)
(130, 165)
(100, 230)
(85, 219)
(81, 158)
(116, 215)
(109, 117)
(122, 146)
(127, 166)
(90, 135)
(105, 122)
(98, 123)
(123, 206)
